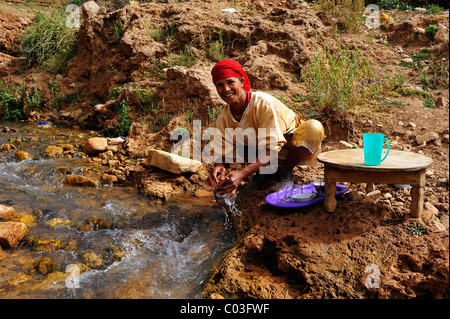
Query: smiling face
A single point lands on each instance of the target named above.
(231, 91)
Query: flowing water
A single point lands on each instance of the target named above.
(146, 249)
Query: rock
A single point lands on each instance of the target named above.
(172, 162)
(346, 144)
(91, 259)
(98, 223)
(45, 265)
(89, 9)
(441, 34)
(2, 254)
(116, 141)
(57, 222)
(158, 189)
(8, 147)
(106, 155)
(6, 212)
(445, 138)
(353, 195)
(445, 220)
(407, 60)
(63, 170)
(95, 145)
(11, 233)
(441, 102)
(108, 179)
(53, 151)
(367, 123)
(80, 180)
(202, 193)
(370, 197)
(429, 212)
(22, 155)
(428, 136)
(437, 226)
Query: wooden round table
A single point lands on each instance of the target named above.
(399, 167)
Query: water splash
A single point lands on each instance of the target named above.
(229, 206)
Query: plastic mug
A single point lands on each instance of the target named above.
(373, 148)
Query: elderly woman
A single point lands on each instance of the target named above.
(288, 137)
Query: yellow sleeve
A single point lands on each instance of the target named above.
(270, 127)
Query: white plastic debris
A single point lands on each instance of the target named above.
(229, 10)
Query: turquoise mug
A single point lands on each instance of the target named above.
(373, 148)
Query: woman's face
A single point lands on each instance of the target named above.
(231, 90)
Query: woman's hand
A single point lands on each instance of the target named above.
(213, 178)
(230, 185)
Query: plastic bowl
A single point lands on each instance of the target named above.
(302, 197)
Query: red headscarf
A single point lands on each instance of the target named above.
(230, 69)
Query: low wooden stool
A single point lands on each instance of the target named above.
(399, 167)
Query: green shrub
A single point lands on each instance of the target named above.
(393, 4)
(11, 102)
(48, 42)
(433, 8)
(431, 30)
(125, 123)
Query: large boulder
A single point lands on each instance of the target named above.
(173, 163)
(95, 145)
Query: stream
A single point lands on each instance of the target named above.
(139, 247)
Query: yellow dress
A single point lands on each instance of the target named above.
(267, 121)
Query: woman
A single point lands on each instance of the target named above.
(296, 141)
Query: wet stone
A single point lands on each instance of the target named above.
(11, 233)
(6, 212)
(22, 156)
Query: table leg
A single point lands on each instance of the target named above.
(417, 201)
(330, 199)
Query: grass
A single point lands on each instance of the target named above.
(125, 123)
(343, 83)
(146, 99)
(118, 29)
(393, 4)
(216, 46)
(48, 42)
(348, 14)
(187, 57)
